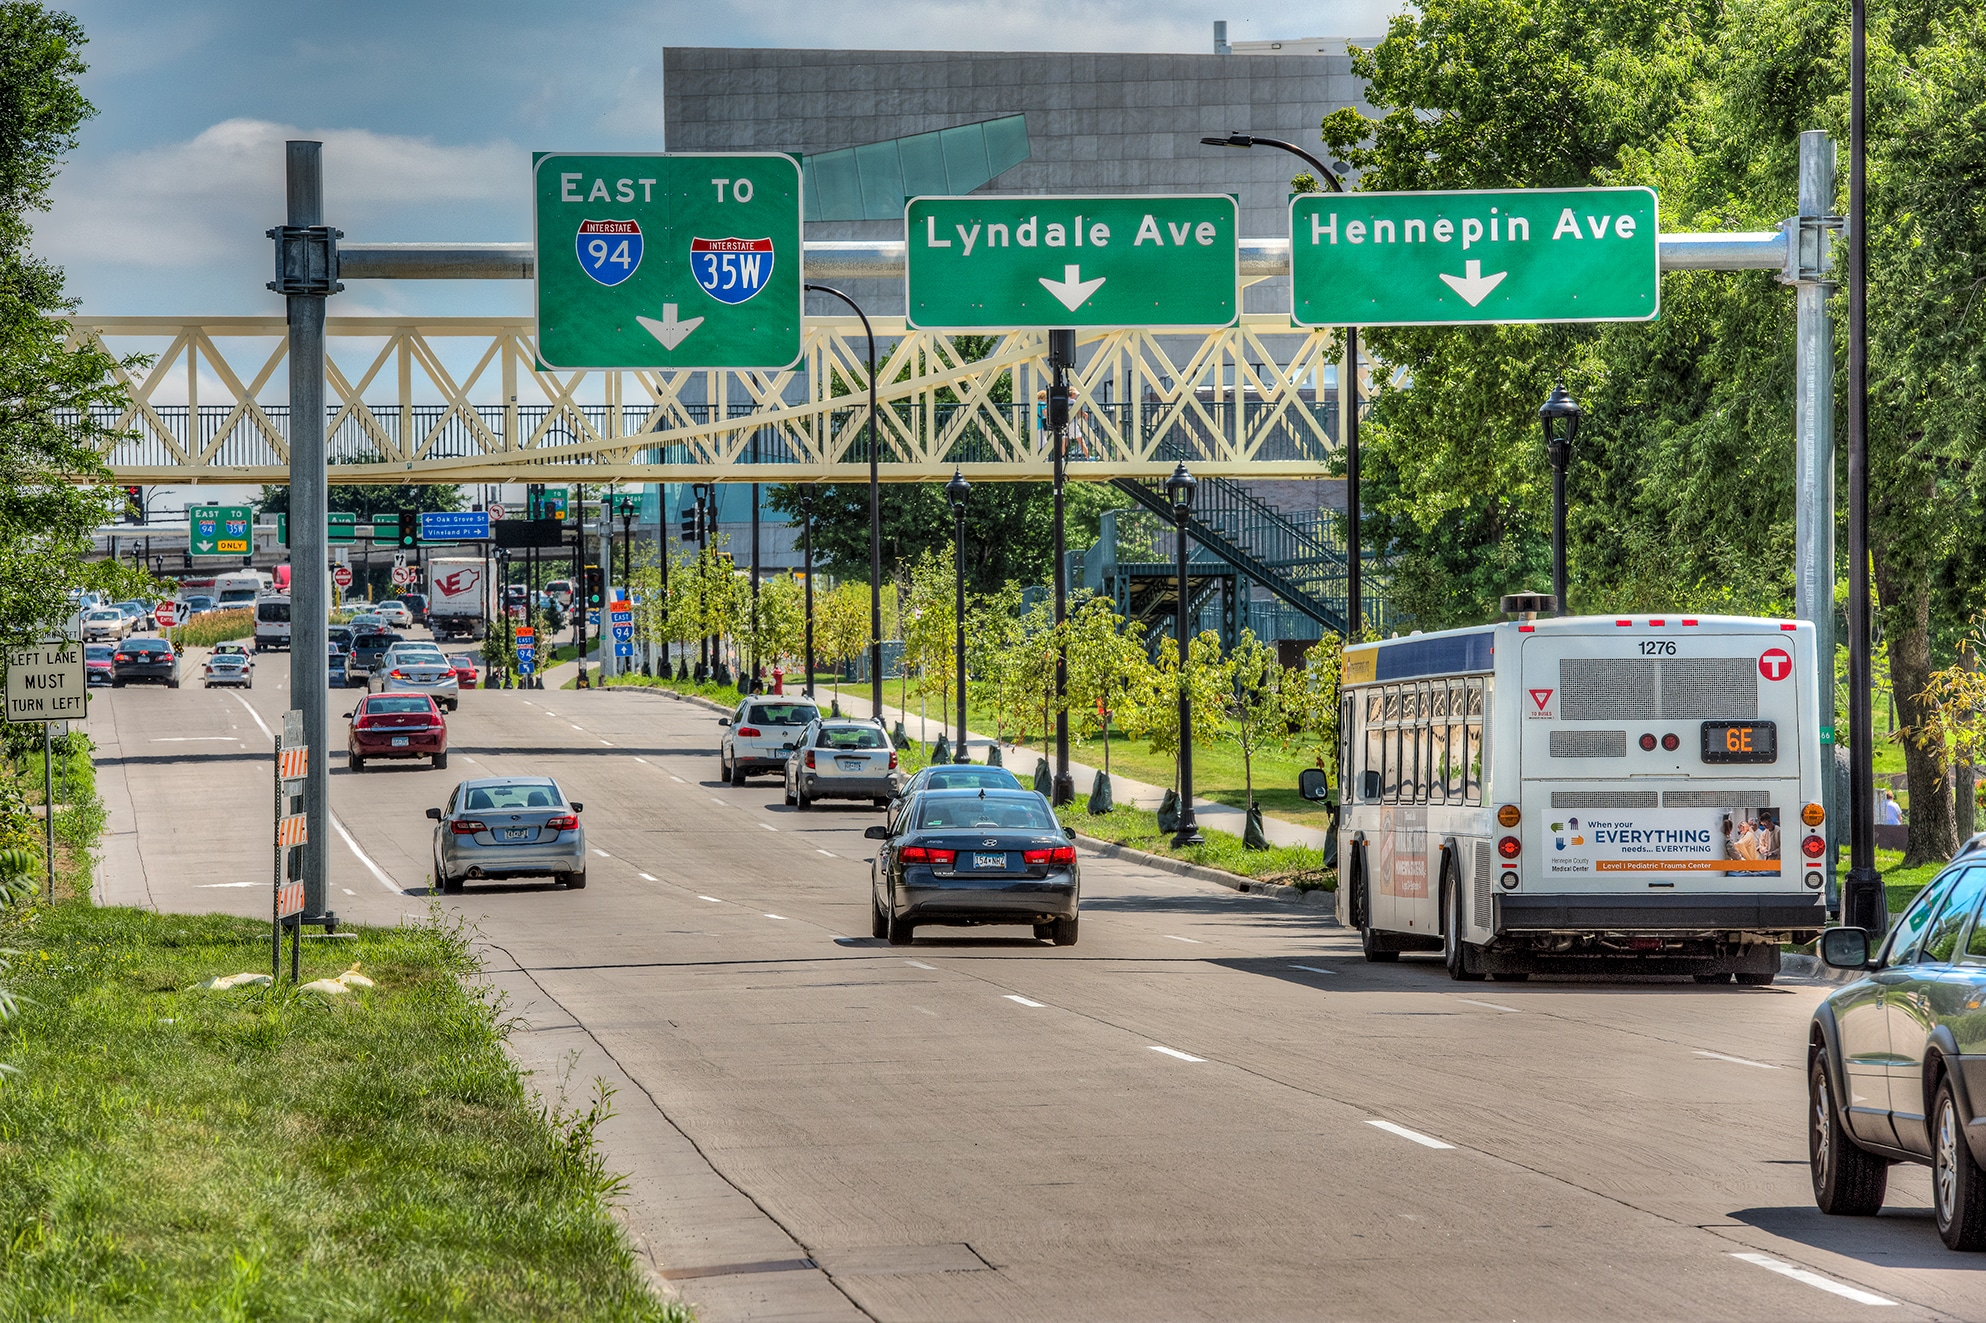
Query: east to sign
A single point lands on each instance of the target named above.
(988, 261)
(653, 261)
(1440, 259)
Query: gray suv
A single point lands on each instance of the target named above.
(1896, 1061)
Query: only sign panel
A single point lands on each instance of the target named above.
(655, 261)
(1439, 259)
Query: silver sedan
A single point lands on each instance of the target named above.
(842, 759)
(417, 668)
(508, 826)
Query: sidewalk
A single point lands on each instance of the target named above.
(1020, 761)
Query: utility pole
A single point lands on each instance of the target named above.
(807, 559)
(753, 686)
(1061, 358)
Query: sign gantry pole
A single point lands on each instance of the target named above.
(306, 274)
(1862, 902)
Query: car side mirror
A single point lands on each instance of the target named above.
(348, 716)
(434, 815)
(1314, 784)
(578, 807)
(876, 833)
(724, 721)
(1845, 948)
(1369, 787)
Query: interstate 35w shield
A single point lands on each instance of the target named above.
(646, 260)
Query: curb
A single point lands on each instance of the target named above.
(1813, 967)
(1313, 899)
(658, 692)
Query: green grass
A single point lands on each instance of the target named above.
(170, 1153)
(1293, 865)
(211, 627)
(1900, 885)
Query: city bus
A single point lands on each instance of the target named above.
(1557, 795)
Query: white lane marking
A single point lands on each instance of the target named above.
(1814, 1279)
(714, 900)
(715, 800)
(932, 1014)
(679, 780)
(832, 855)
(348, 891)
(781, 917)
(258, 720)
(1736, 1061)
(604, 855)
(550, 713)
(608, 743)
(921, 965)
(1405, 1133)
(365, 858)
(209, 886)
(638, 758)
(1174, 1052)
(583, 728)
(1489, 1006)
(1012, 996)
(528, 703)
(646, 877)
(1312, 969)
(1196, 941)
(769, 827)
(195, 739)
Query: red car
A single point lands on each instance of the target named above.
(396, 726)
(465, 670)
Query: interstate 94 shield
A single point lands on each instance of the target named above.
(646, 260)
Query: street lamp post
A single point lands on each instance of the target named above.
(807, 559)
(1180, 488)
(875, 519)
(1347, 397)
(1562, 409)
(958, 488)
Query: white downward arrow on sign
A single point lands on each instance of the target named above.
(1072, 289)
(669, 331)
(1473, 286)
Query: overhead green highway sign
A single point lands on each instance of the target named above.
(1483, 256)
(652, 261)
(220, 530)
(993, 261)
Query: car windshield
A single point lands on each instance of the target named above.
(483, 799)
(466, 659)
(972, 778)
(199, 601)
(98, 653)
(398, 703)
(226, 659)
(106, 615)
(782, 714)
(849, 737)
(1012, 812)
(376, 640)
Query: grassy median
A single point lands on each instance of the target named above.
(169, 1152)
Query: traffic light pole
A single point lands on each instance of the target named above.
(579, 578)
(1061, 359)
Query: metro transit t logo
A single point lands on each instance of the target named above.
(1775, 664)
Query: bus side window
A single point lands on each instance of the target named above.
(1391, 779)
(1375, 756)
(1473, 731)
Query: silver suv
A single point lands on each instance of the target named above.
(760, 733)
(842, 760)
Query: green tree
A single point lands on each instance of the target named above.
(841, 623)
(1206, 684)
(1253, 702)
(1107, 668)
(1311, 700)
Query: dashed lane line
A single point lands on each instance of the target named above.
(921, 965)
(1490, 1006)
(1427, 1141)
(1739, 1061)
(602, 853)
(829, 853)
(1196, 941)
(1312, 969)
(1175, 1052)
(781, 917)
(647, 877)
(1015, 996)
(712, 899)
(1814, 1279)
(768, 826)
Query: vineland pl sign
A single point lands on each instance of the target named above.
(991, 262)
(1439, 258)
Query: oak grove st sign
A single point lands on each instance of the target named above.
(991, 261)
(654, 261)
(1449, 258)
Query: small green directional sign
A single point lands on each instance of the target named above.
(656, 261)
(220, 530)
(990, 261)
(1485, 256)
(342, 527)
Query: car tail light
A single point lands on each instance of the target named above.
(122, 656)
(1061, 854)
(810, 759)
(892, 760)
(397, 675)
(563, 821)
(435, 719)
(749, 732)
(927, 854)
(1813, 846)
(1509, 847)
(466, 827)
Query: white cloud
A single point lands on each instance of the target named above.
(208, 199)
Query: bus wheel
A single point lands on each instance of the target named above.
(1455, 952)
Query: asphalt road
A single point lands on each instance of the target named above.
(1210, 1107)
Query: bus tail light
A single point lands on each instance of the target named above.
(1672, 741)
(1813, 815)
(1508, 816)
(1509, 847)
(1814, 881)
(1648, 743)
(1813, 847)
(1508, 881)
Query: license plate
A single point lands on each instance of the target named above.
(514, 833)
(851, 764)
(989, 862)
(399, 741)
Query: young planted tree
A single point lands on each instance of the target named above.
(1107, 665)
(928, 632)
(1310, 700)
(1254, 707)
(992, 627)
(1206, 684)
(781, 620)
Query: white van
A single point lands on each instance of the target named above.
(239, 588)
(272, 622)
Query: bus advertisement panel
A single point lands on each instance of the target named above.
(1730, 841)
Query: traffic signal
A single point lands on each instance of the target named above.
(596, 586)
(410, 530)
(134, 505)
(689, 523)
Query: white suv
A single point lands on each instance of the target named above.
(759, 735)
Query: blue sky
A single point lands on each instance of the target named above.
(429, 110)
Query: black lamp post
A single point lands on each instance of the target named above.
(1347, 396)
(1180, 488)
(958, 488)
(807, 559)
(875, 519)
(1561, 409)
